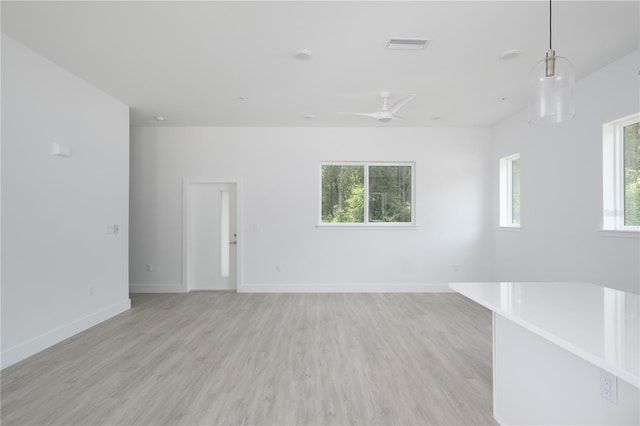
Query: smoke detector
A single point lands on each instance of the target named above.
(510, 54)
(406, 43)
(302, 54)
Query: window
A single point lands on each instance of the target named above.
(386, 187)
(621, 174)
(510, 191)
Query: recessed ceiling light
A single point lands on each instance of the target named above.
(510, 54)
(303, 54)
(406, 43)
(309, 116)
(159, 118)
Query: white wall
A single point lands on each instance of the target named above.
(561, 190)
(61, 272)
(280, 172)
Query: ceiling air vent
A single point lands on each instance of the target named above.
(406, 43)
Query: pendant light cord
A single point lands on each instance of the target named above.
(550, 48)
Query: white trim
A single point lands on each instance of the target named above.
(36, 344)
(368, 227)
(186, 181)
(157, 288)
(347, 288)
(497, 419)
(620, 233)
(512, 228)
(308, 288)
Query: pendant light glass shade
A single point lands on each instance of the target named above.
(551, 86)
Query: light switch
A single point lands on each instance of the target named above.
(113, 229)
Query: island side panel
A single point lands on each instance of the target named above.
(538, 382)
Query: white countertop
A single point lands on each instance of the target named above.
(598, 324)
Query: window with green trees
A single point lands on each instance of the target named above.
(631, 160)
(515, 192)
(387, 189)
(621, 174)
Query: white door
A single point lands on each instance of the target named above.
(212, 236)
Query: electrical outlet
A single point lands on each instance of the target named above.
(609, 387)
(149, 268)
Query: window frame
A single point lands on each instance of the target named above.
(506, 192)
(366, 224)
(613, 194)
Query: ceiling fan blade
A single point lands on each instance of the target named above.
(400, 103)
(364, 114)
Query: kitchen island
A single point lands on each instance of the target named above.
(563, 353)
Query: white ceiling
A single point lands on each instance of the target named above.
(192, 62)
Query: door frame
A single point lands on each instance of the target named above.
(186, 214)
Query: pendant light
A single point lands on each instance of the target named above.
(551, 88)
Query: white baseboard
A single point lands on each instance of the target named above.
(497, 419)
(308, 288)
(157, 288)
(58, 334)
(347, 288)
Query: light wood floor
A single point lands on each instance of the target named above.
(222, 358)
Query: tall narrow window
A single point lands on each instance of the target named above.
(224, 233)
(621, 174)
(367, 193)
(515, 191)
(510, 191)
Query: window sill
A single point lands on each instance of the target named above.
(510, 228)
(386, 227)
(620, 233)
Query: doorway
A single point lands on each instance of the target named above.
(211, 237)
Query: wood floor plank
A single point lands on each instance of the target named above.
(222, 358)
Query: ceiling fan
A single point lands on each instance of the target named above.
(386, 113)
